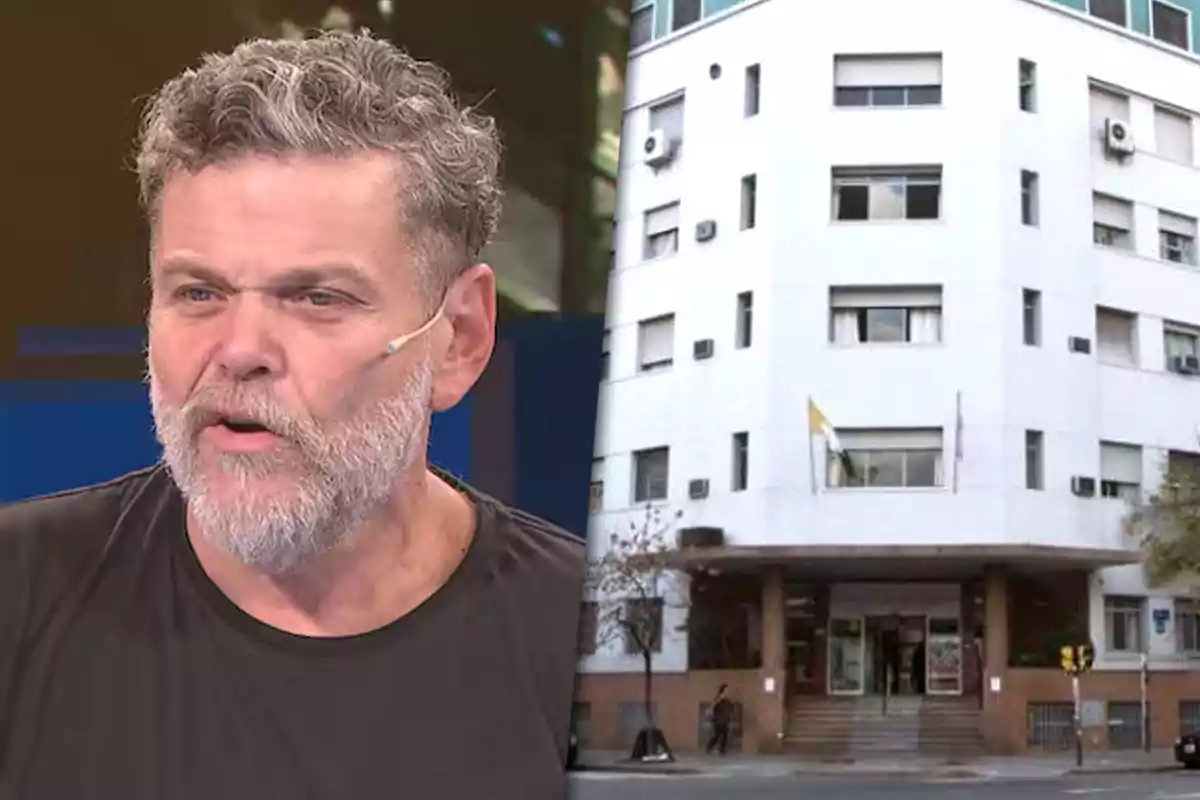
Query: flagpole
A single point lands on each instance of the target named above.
(958, 431)
(812, 461)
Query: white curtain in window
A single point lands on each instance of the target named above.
(845, 326)
(891, 70)
(656, 340)
(925, 325)
(1112, 211)
(1120, 462)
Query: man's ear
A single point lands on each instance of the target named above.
(471, 312)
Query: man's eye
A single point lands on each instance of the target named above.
(320, 298)
(196, 294)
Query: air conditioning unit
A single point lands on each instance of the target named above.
(658, 150)
(702, 349)
(1118, 139)
(698, 488)
(706, 230)
(701, 537)
(1185, 365)
(1079, 344)
(1083, 486)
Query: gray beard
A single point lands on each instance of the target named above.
(326, 480)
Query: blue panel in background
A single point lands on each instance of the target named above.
(556, 383)
(450, 440)
(52, 340)
(58, 435)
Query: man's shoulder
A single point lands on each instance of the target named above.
(84, 514)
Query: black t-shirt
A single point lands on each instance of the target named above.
(125, 673)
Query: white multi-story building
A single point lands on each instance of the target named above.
(962, 235)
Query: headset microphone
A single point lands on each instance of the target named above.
(396, 344)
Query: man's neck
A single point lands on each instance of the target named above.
(385, 570)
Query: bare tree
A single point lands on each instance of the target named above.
(635, 581)
(1168, 523)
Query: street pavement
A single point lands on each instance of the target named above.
(1175, 785)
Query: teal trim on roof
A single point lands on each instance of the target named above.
(1139, 14)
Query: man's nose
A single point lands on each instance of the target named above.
(248, 349)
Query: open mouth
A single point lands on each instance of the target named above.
(237, 425)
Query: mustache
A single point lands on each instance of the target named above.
(211, 405)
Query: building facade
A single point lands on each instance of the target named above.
(904, 312)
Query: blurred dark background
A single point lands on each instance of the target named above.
(75, 74)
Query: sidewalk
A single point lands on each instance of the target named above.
(987, 768)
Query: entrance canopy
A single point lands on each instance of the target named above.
(908, 562)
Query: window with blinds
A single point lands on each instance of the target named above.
(1116, 337)
(1173, 134)
(887, 80)
(1120, 471)
(888, 458)
(661, 232)
(1112, 221)
(1177, 238)
(656, 343)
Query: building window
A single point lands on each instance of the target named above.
(1173, 135)
(1120, 471)
(1113, 11)
(1181, 346)
(604, 359)
(1187, 626)
(656, 343)
(662, 232)
(753, 90)
(1034, 460)
(887, 194)
(641, 24)
(1116, 337)
(741, 461)
(589, 624)
(684, 13)
(888, 458)
(876, 80)
(1031, 317)
(1112, 222)
(1028, 85)
(667, 117)
(749, 201)
(1029, 197)
(745, 320)
(1177, 238)
(869, 315)
(1105, 104)
(1123, 623)
(596, 489)
(1171, 24)
(646, 616)
(651, 471)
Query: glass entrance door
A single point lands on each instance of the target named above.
(943, 656)
(846, 655)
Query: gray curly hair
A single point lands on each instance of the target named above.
(337, 95)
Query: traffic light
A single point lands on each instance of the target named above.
(1086, 658)
(1069, 664)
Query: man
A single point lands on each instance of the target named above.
(720, 714)
(295, 605)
